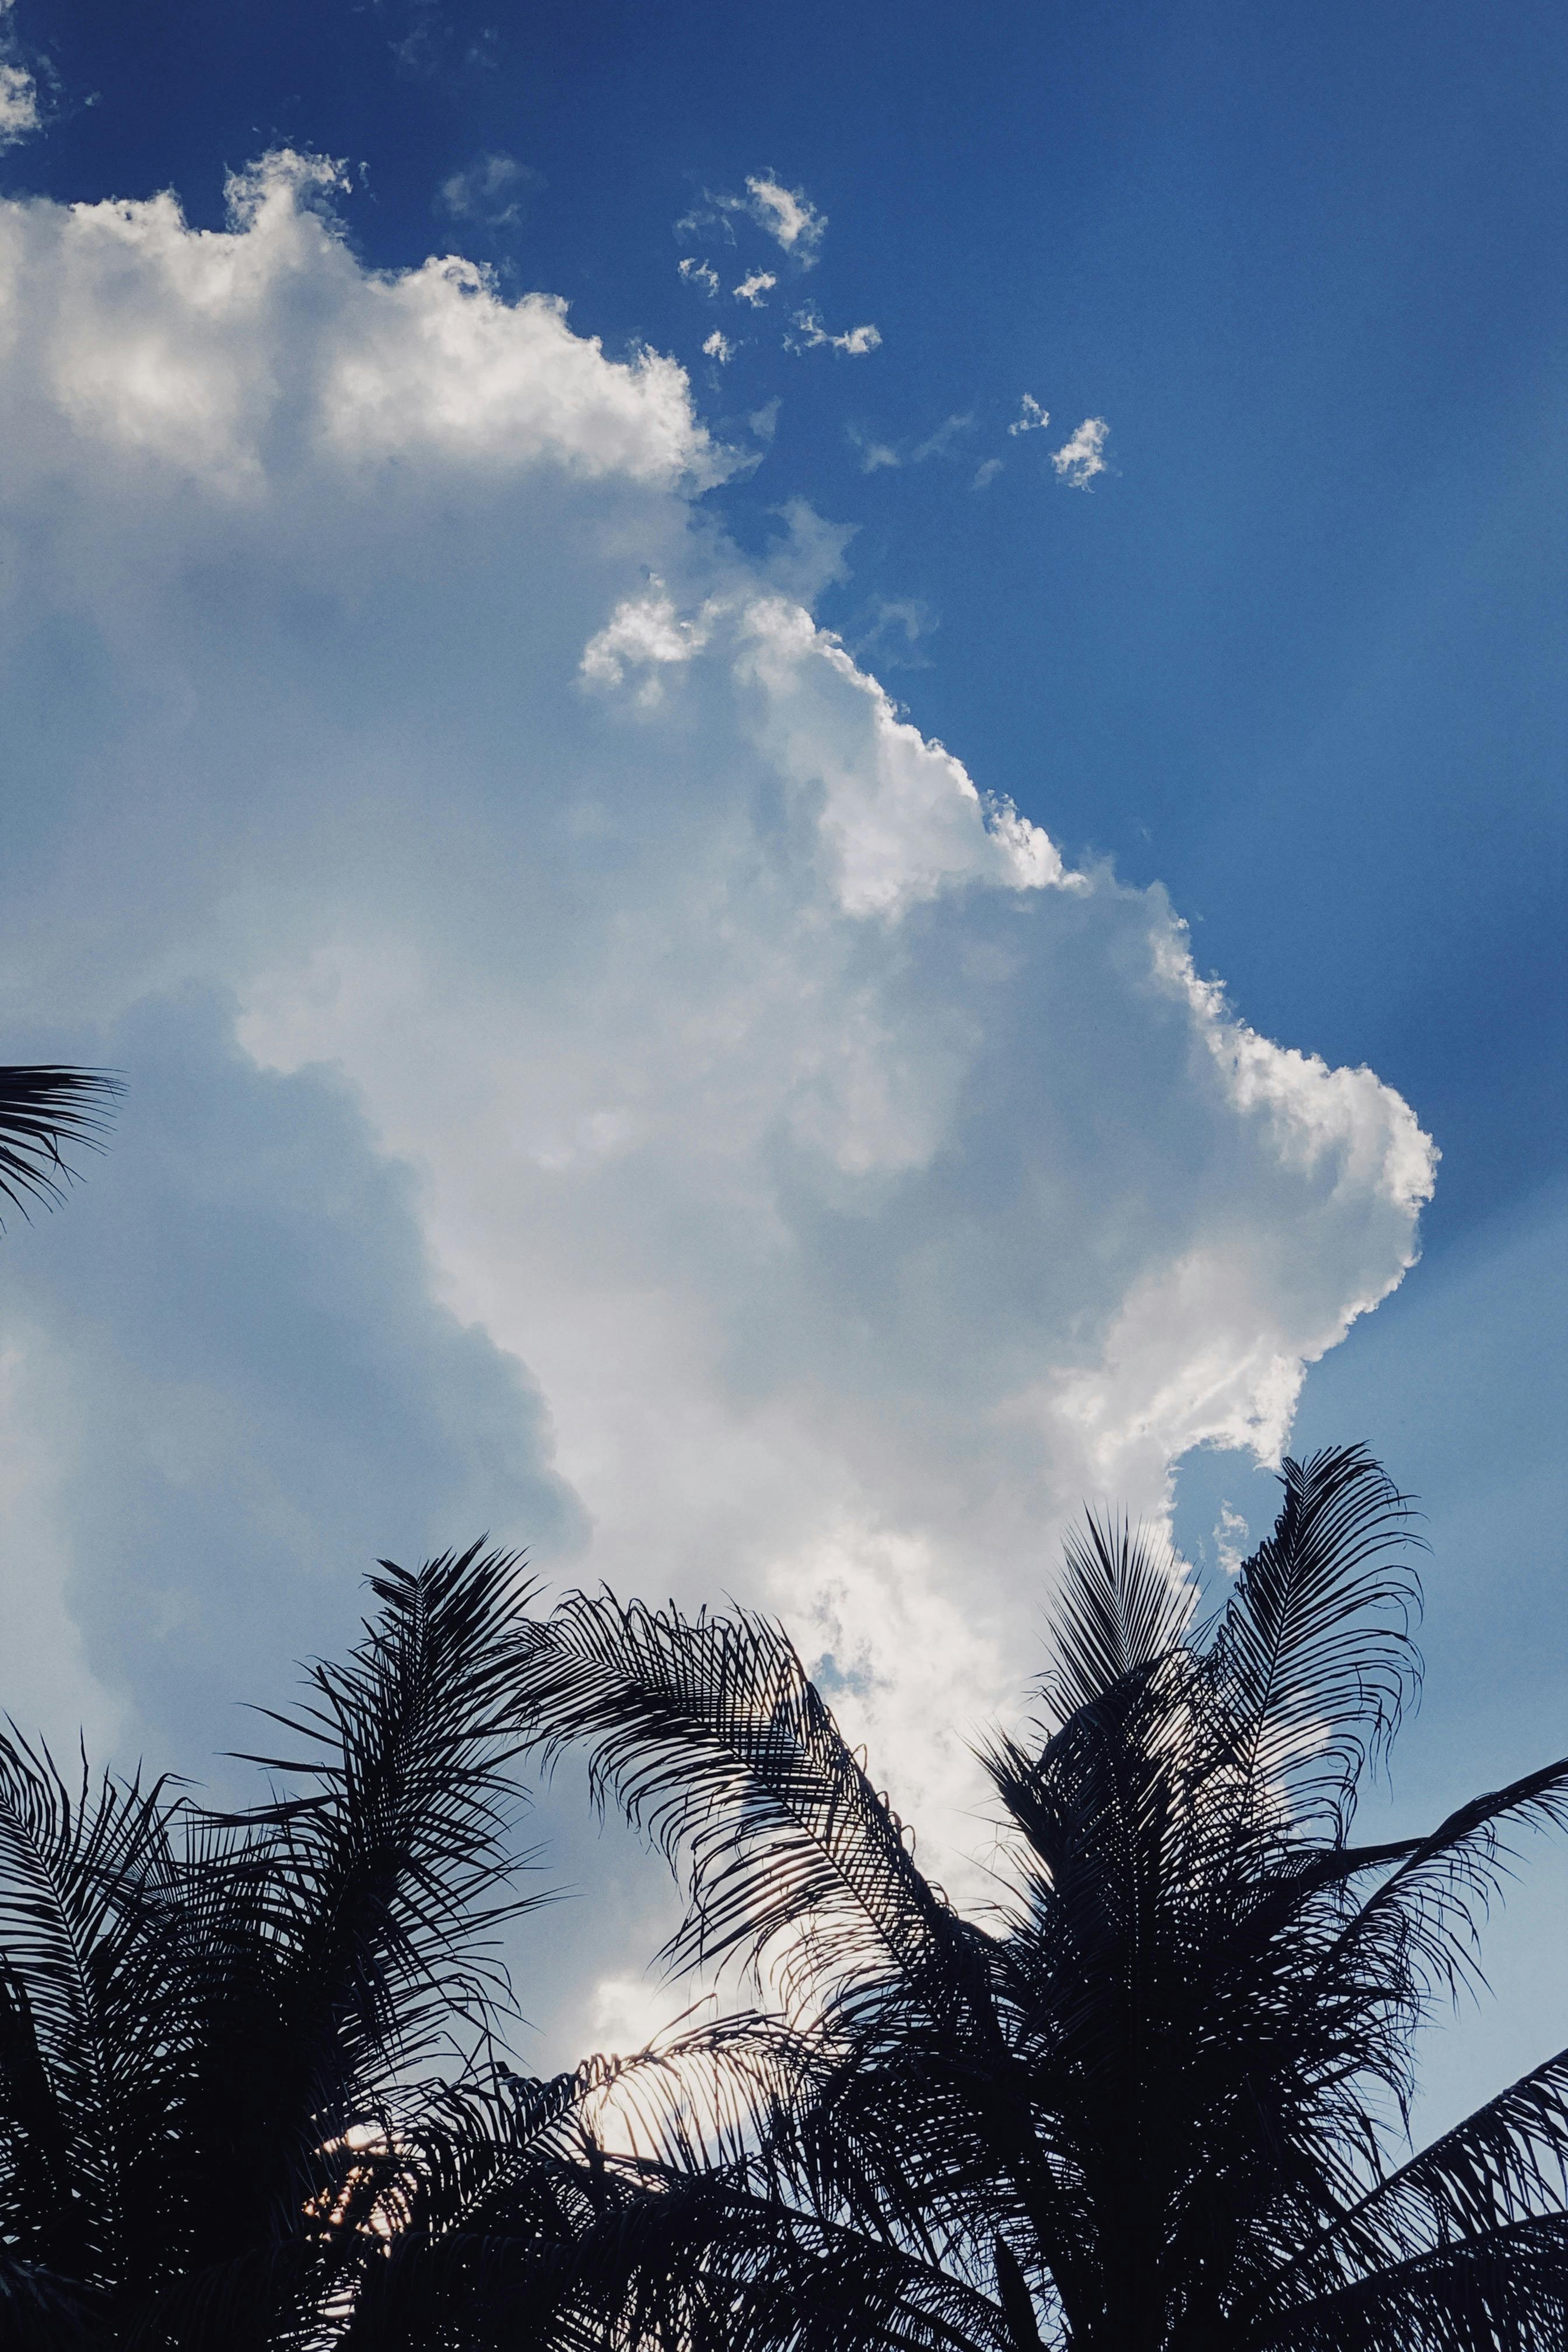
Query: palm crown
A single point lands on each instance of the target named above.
(1150, 2105)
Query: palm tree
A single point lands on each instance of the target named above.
(232, 2044)
(44, 1109)
(1156, 2101)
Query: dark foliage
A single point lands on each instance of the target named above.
(216, 2030)
(252, 2086)
(1153, 2104)
(44, 1111)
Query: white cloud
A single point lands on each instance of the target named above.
(788, 214)
(755, 288)
(21, 109)
(700, 274)
(876, 456)
(718, 347)
(940, 443)
(1232, 1539)
(1081, 456)
(1031, 416)
(986, 473)
(860, 1187)
(19, 114)
(812, 335)
(490, 192)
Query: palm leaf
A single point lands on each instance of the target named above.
(1314, 1653)
(714, 1740)
(88, 2006)
(1123, 1603)
(384, 1882)
(1423, 1912)
(46, 1107)
(1496, 2289)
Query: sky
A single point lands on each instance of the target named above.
(810, 764)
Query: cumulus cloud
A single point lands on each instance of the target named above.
(237, 1381)
(700, 274)
(718, 347)
(811, 335)
(756, 287)
(599, 1070)
(491, 192)
(1082, 456)
(1031, 416)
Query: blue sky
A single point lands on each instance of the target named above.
(282, 821)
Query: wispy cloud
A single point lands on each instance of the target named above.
(940, 443)
(20, 111)
(491, 192)
(718, 347)
(1031, 418)
(876, 456)
(1082, 456)
(811, 335)
(756, 289)
(700, 274)
(788, 214)
(986, 473)
(785, 214)
(897, 625)
(1231, 1537)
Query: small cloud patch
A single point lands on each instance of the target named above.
(811, 335)
(492, 191)
(1082, 456)
(787, 214)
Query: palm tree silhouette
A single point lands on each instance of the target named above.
(234, 2045)
(1154, 2103)
(253, 2083)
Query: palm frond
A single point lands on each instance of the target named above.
(1123, 1603)
(714, 1741)
(45, 1108)
(383, 1881)
(1424, 1915)
(1313, 1652)
(1498, 2288)
(89, 2006)
(1506, 2163)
